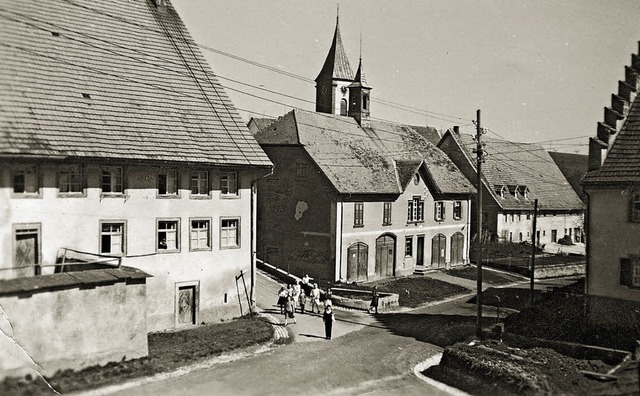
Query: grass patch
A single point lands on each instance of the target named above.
(413, 291)
(167, 351)
(492, 277)
(440, 330)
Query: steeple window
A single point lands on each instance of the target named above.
(343, 107)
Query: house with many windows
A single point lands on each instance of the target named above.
(119, 149)
(353, 198)
(613, 215)
(514, 175)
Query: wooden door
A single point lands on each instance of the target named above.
(457, 248)
(357, 262)
(420, 251)
(186, 311)
(385, 255)
(26, 253)
(438, 251)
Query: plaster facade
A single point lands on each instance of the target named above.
(72, 328)
(75, 222)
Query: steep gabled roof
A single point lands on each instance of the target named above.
(359, 80)
(364, 160)
(573, 167)
(336, 65)
(622, 164)
(429, 133)
(520, 166)
(119, 79)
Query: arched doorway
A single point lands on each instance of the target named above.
(438, 251)
(357, 262)
(385, 255)
(457, 248)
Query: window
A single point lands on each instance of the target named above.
(520, 237)
(577, 234)
(408, 246)
(439, 211)
(301, 171)
(528, 216)
(111, 179)
(415, 212)
(25, 180)
(505, 218)
(554, 235)
(386, 214)
(229, 183)
(635, 208)
(343, 107)
(112, 237)
(168, 182)
(525, 193)
(457, 210)
(200, 183)
(365, 102)
(200, 235)
(70, 179)
(358, 214)
(510, 236)
(630, 272)
(229, 233)
(519, 217)
(168, 235)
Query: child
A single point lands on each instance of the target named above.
(302, 300)
(289, 311)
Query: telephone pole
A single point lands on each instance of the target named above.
(479, 159)
(533, 249)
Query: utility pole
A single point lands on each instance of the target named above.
(479, 158)
(533, 249)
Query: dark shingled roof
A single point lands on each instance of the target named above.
(512, 164)
(429, 133)
(622, 163)
(363, 160)
(573, 167)
(118, 79)
(336, 66)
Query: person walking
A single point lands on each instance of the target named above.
(328, 318)
(327, 298)
(302, 301)
(282, 298)
(315, 298)
(289, 311)
(375, 299)
(296, 293)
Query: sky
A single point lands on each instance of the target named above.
(539, 71)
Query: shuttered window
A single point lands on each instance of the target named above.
(630, 272)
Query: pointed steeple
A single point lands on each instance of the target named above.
(359, 98)
(336, 74)
(336, 65)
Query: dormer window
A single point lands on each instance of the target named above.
(525, 192)
(501, 191)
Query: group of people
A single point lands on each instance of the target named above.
(297, 295)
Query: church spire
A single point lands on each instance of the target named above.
(359, 97)
(335, 75)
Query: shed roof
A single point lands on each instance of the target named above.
(119, 79)
(364, 160)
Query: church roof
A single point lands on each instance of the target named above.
(118, 79)
(336, 66)
(373, 160)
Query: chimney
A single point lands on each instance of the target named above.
(456, 129)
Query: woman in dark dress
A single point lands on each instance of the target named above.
(375, 298)
(328, 318)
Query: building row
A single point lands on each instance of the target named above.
(135, 199)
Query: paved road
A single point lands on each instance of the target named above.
(362, 358)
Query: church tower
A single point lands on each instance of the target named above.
(359, 98)
(334, 78)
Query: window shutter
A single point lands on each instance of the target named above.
(435, 211)
(630, 217)
(410, 211)
(444, 205)
(626, 271)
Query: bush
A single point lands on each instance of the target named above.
(565, 240)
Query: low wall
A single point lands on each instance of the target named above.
(542, 271)
(71, 320)
(386, 300)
